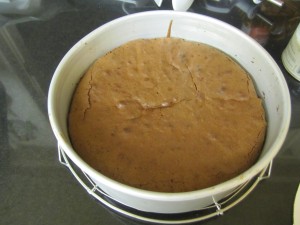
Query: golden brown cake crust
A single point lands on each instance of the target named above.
(167, 115)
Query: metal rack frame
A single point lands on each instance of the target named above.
(216, 209)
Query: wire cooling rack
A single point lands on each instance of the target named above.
(216, 209)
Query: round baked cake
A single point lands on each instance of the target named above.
(167, 115)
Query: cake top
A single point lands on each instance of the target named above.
(167, 115)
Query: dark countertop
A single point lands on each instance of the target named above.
(34, 187)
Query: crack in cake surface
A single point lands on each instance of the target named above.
(90, 86)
